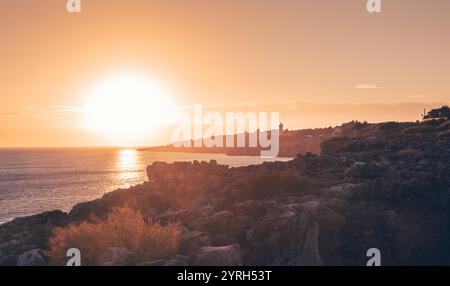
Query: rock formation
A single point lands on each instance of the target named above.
(378, 187)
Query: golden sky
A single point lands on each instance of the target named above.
(318, 62)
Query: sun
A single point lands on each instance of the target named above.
(127, 108)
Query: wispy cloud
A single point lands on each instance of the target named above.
(367, 86)
(40, 111)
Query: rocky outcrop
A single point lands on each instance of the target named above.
(178, 260)
(390, 191)
(31, 258)
(21, 238)
(217, 256)
(119, 256)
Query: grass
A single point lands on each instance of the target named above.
(124, 228)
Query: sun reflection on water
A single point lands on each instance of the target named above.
(127, 158)
(127, 164)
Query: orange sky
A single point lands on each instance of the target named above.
(318, 62)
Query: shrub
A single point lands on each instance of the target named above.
(444, 126)
(260, 185)
(389, 126)
(334, 145)
(124, 228)
(434, 122)
(419, 129)
(359, 125)
(272, 183)
(443, 112)
(290, 182)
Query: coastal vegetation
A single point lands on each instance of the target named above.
(124, 232)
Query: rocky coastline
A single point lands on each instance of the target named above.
(384, 186)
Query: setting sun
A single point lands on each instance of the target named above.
(246, 135)
(125, 108)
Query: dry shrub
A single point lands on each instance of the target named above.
(124, 228)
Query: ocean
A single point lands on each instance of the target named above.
(38, 180)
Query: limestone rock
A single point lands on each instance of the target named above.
(217, 256)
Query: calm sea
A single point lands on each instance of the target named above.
(37, 180)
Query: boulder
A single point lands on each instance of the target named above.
(178, 215)
(220, 222)
(192, 241)
(364, 170)
(179, 260)
(158, 262)
(343, 191)
(8, 260)
(222, 239)
(310, 255)
(10, 246)
(296, 242)
(31, 258)
(120, 256)
(108, 263)
(217, 256)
